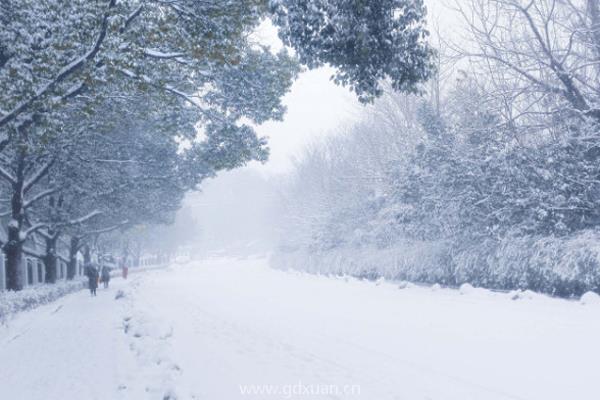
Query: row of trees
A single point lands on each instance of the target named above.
(500, 181)
(111, 110)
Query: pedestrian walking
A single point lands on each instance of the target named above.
(93, 276)
(105, 275)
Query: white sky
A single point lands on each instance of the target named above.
(316, 107)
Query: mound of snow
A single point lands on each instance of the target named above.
(436, 287)
(405, 285)
(466, 288)
(514, 294)
(590, 298)
(523, 295)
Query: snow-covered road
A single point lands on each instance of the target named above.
(227, 329)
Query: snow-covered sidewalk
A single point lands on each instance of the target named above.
(68, 349)
(226, 329)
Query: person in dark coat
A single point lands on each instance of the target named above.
(92, 274)
(105, 276)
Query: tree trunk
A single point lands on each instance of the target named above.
(87, 255)
(73, 249)
(50, 259)
(13, 249)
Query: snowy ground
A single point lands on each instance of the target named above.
(224, 327)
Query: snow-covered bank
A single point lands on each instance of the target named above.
(222, 327)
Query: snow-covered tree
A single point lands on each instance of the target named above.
(366, 41)
(63, 64)
(539, 57)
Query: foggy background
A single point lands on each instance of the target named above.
(239, 211)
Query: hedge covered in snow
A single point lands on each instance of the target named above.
(34, 296)
(559, 266)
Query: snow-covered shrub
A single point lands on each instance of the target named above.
(409, 261)
(560, 266)
(12, 302)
